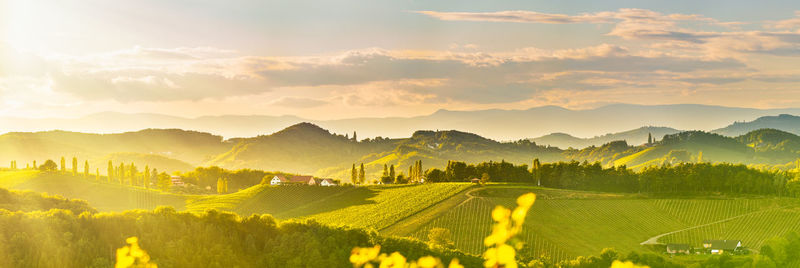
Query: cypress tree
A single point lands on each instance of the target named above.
(354, 174)
(34, 165)
(391, 172)
(361, 175)
(146, 177)
(74, 166)
(63, 164)
(86, 169)
(110, 171)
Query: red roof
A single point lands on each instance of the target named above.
(303, 179)
(282, 178)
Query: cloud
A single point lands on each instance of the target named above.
(468, 76)
(517, 16)
(299, 103)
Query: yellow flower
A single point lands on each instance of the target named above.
(428, 262)
(455, 264)
(526, 200)
(519, 215)
(395, 260)
(500, 214)
(506, 255)
(627, 264)
(360, 256)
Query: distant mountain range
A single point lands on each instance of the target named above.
(494, 124)
(309, 149)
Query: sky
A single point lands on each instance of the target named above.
(342, 59)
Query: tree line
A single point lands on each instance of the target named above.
(680, 178)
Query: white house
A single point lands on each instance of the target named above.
(327, 182)
(278, 180)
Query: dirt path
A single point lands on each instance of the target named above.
(654, 240)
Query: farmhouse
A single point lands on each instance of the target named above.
(722, 246)
(278, 180)
(176, 181)
(475, 180)
(300, 179)
(321, 182)
(678, 248)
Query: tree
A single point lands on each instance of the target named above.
(146, 178)
(440, 237)
(153, 177)
(391, 172)
(649, 138)
(222, 186)
(700, 157)
(34, 165)
(354, 174)
(484, 178)
(74, 166)
(48, 165)
(86, 168)
(63, 164)
(121, 173)
(110, 171)
(535, 170)
(355, 138)
(361, 175)
(164, 182)
(97, 174)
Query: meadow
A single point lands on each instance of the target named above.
(564, 224)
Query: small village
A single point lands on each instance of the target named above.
(716, 247)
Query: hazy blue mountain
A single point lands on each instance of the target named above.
(784, 122)
(495, 124)
(634, 137)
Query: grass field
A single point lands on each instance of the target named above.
(565, 224)
(103, 196)
(370, 207)
(562, 223)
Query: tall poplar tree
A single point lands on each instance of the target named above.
(63, 165)
(74, 166)
(110, 171)
(86, 169)
(354, 174)
(361, 175)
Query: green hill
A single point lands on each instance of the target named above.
(635, 136)
(564, 224)
(436, 148)
(772, 145)
(187, 146)
(687, 147)
(783, 122)
(367, 207)
(101, 195)
(302, 148)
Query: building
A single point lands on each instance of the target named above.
(722, 246)
(322, 182)
(475, 180)
(278, 180)
(176, 181)
(300, 180)
(678, 249)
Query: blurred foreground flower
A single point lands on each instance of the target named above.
(133, 256)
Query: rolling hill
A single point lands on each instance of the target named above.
(103, 196)
(634, 137)
(784, 122)
(166, 148)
